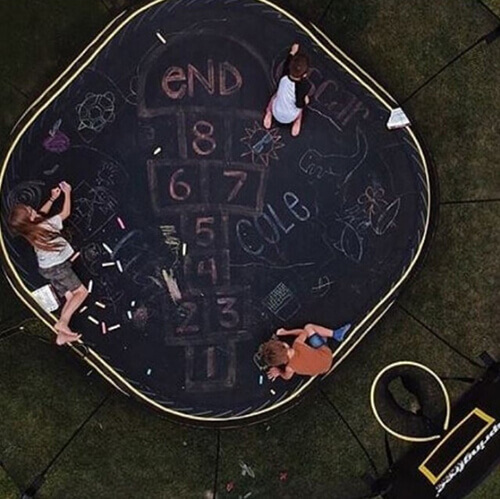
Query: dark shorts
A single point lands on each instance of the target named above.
(62, 277)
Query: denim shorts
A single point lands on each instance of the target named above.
(62, 277)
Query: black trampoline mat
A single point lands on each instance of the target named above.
(158, 127)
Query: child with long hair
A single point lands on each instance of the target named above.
(53, 254)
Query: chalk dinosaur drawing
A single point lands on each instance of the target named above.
(337, 166)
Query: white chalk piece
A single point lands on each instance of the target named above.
(92, 319)
(261, 379)
(157, 151)
(120, 223)
(107, 248)
(272, 392)
(46, 298)
(100, 305)
(103, 328)
(132, 303)
(397, 119)
(90, 285)
(83, 309)
(148, 372)
(119, 265)
(129, 314)
(184, 249)
(160, 37)
(108, 264)
(113, 328)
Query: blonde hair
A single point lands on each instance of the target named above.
(34, 231)
(274, 353)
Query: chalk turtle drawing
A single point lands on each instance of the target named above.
(96, 111)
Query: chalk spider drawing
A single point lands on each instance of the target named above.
(337, 166)
(262, 144)
(371, 213)
(96, 111)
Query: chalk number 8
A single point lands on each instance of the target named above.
(203, 143)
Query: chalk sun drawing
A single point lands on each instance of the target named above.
(262, 144)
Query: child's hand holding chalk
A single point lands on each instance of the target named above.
(65, 187)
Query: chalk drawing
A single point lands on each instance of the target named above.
(262, 144)
(282, 302)
(57, 141)
(95, 111)
(29, 193)
(371, 214)
(337, 166)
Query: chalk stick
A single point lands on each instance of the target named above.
(184, 249)
(100, 305)
(160, 37)
(272, 392)
(92, 319)
(129, 314)
(104, 329)
(261, 379)
(75, 256)
(107, 248)
(89, 286)
(113, 328)
(148, 372)
(83, 309)
(120, 223)
(108, 264)
(132, 304)
(119, 265)
(157, 151)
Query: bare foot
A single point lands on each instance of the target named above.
(63, 338)
(62, 327)
(296, 127)
(268, 120)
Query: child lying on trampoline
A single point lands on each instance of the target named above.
(53, 254)
(308, 355)
(288, 103)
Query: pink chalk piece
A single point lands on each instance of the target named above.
(120, 223)
(75, 256)
(104, 328)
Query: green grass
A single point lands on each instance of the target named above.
(125, 450)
